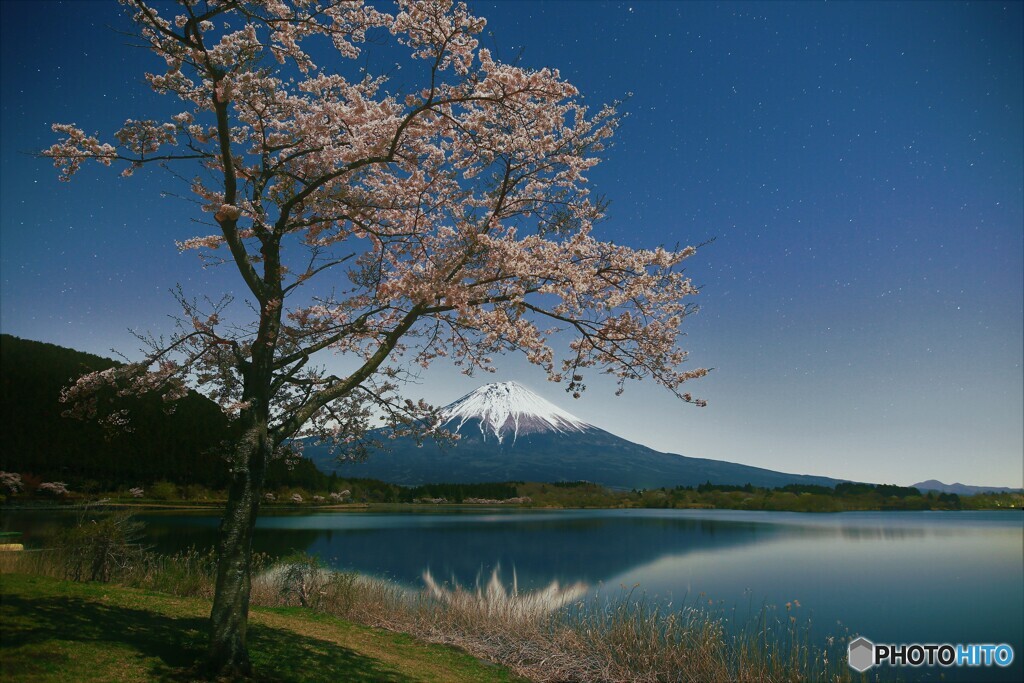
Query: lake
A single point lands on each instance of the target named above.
(893, 577)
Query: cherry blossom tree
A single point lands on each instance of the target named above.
(54, 488)
(11, 481)
(392, 223)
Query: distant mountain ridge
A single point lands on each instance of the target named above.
(961, 489)
(509, 433)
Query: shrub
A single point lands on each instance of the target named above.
(53, 488)
(11, 481)
(164, 490)
(302, 579)
(197, 492)
(191, 573)
(102, 547)
(89, 486)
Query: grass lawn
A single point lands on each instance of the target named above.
(62, 631)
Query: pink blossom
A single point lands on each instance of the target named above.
(11, 481)
(54, 488)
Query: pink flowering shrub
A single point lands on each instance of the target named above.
(53, 488)
(11, 482)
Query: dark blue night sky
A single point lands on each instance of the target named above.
(860, 166)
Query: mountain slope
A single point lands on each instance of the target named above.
(961, 489)
(508, 433)
(36, 438)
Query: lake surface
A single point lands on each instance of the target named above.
(903, 577)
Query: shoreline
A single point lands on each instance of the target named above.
(185, 506)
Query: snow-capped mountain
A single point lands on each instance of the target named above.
(508, 433)
(504, 410)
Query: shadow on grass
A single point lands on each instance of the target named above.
(179, 643)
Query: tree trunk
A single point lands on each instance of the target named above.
(228, 656)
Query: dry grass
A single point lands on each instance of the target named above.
(558, 633)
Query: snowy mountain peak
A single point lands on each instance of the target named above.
(508, 410)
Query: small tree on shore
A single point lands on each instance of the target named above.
(447, 217)
(11, 483)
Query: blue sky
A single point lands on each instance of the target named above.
(859, 165)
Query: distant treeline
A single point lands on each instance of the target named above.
(843, 489)
(802, 497)
(456, 493)
(376, 491)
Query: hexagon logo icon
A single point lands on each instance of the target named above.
(861, 654)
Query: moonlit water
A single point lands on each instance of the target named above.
(891, 577)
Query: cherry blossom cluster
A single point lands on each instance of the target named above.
(95, 395)
(77, 146)
(11, 482)
(54, 488)
(440, 32)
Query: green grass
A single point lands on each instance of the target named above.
(53, 630)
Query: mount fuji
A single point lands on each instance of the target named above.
(504, 410)
(508, 433)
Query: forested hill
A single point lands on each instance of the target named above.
(36, 439)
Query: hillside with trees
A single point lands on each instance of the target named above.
(182, 446)
(38, 439)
